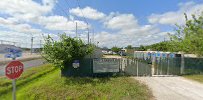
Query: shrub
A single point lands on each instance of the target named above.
(65, 50)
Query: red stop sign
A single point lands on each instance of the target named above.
(14, 69)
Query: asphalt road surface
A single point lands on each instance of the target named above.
(27, 64)
(173, 88)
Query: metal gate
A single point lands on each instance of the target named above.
(167, 66)
(136, 67)
(147, 67)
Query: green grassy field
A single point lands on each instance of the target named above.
(198, 78)
(45, 82)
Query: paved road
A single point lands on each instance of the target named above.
(173, 88)
(27, 64)
(24, 56)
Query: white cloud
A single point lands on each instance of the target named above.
(19, 16)
(20, 39)
(125, 28)
(127, 31)
(26, 10)
(122, 21)
(60, 23)
(107, 39)
(88, 12)
(12, 24)
(177, 17)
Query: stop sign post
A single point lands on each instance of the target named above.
(13, 71)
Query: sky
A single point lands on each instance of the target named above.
(110, 22)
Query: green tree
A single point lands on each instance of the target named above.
(115, 49)
(65, 50)
(129, 47)
(189, 37)
(142, 48)
(105, 48)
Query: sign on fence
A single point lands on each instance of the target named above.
(105, 65)
(171, 55)
(164, 55)
(76, 64)
(158, 54)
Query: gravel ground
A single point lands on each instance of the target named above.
(173, 88)
(111, 56)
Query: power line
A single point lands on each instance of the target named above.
(88, 38)
(62, 9)
(93, 36)
(68, 5)
(31, 44)
(82, 12)
(76, 30)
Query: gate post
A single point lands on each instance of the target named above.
(153, 65)
(182, 64)
(168, 65)
(137, 69)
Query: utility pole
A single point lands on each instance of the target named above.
(14, 43)
(40, 44)
(31, 45)
(93, 36)
(76, 30)
(88, 36)
(97, 43)
(40, 49)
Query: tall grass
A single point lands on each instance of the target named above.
(198, 78)
(45, 83)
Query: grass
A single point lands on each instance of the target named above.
(45, 83)
(198, 78)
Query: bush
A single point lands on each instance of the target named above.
(65, 50)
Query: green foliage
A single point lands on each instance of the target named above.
(142, 48)
(115, 49)
(189, 37)
(129, 47)
(164, 46)
(64, 51)
(45, 83)
(198, 78)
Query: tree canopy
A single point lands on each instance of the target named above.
(188, 38)
(115, 49)
(65, 50)
(129, 47)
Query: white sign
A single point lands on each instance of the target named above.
(76, 64)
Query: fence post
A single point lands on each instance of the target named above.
(168, 65)
(120, 65)
(182, 64)
(137, 69)
(153, 65)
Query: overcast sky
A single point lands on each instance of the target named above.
(115, 22)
